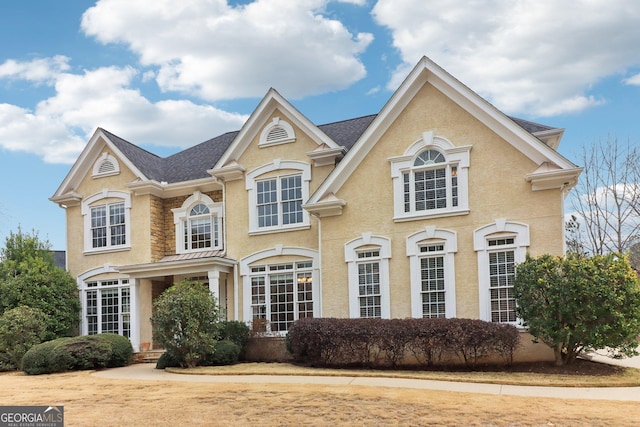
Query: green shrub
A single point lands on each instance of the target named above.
(77, 353)
(226, 352)
(166, 360)
(81, 353)
(20, 329)
(185, 322)
(38, 359)
(121, 349)
(236, 331)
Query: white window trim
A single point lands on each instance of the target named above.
(351, 249)
(455, 156)
(250, 185)
(105, 157)
(86, 214)
(431, 235)
(499, 229)
(268, 256)
(182, 213)
(276, 122)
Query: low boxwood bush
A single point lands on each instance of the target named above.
(226, 352)
(76, 353)
(386, 342)
(167, 360)
(236, 331)
(121, 350)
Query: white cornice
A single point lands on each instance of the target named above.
(564, 179)
(164, 190)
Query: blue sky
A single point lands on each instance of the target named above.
(166, 75)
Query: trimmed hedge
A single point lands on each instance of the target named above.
(77, 353)
(236, 331)
(387, 342)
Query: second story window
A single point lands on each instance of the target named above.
(279, 201)
(108, 225)
(198, 224)
(276, 192)
(431, 184)
(201, 229)
(430, 179)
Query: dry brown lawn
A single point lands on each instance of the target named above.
(92, 401)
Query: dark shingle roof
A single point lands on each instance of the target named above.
(347, 132)
(531, 127)
(194, 162)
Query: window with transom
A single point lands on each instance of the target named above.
(107, 307)
(281, 294)
(430, 179)
(500, 246)
(198, 224)
(431, 261)
(368, 267)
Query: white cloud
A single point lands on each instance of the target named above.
(59, 126)
(216, 51)
(41, 70)
(537, 57)
(633, 80)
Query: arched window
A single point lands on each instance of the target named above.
(198, 224)
(430, 179)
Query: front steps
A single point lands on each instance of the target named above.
(149, 356)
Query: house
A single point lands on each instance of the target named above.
(421, 210)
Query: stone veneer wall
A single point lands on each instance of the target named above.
(163, 232)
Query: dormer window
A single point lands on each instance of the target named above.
(277, 132)
(198, 224)
(106, 165)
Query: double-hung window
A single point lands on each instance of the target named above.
(500, 246)
(432, 271)
(369, 296)
(279, 201)
(367, 258)
(281, 294)
(107, 224)
(276, 193)
(501, 276)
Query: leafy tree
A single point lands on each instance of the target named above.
(20, 329)
(29, 277)
(577, 304)
(186, 322)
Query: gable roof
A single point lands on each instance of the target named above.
(355, 137)
(517, 132)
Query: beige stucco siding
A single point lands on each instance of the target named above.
(497, 189)
(140, 250)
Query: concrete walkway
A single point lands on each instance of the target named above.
(147, 372)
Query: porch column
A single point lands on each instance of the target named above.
(214, 283)
(134, 314)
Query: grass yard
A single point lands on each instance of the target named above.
(92, 401)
